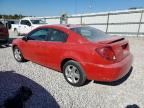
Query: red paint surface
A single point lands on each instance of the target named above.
(96, 67)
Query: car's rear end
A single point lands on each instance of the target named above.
(4, 34)
(110, 59)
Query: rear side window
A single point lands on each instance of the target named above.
(90, 33)
(57, 36)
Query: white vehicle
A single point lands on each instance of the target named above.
(26, 25)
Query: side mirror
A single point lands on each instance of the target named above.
(25, 38)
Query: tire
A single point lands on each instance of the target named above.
(9, 25)
(18, 55)
(74, 74)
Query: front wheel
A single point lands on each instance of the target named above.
(73, 73)
(18, 55)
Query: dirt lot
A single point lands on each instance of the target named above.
(51, 90)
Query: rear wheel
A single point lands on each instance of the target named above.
(18, 55)
(73, 73)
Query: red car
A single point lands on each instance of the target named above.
(80, 52)
(4, 34)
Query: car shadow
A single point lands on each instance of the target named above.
(6, 44)
(132, 106)
(17, 91)
(118, 82)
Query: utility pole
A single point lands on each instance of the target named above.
(76, 6)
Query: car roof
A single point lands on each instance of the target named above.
(67, 26)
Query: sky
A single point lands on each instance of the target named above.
(58, 7)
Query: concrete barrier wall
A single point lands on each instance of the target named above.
(123, 28)
(125, 17)
(74, 20)
(142, 28)
(94, 19)
(53, 20)
(124, 22)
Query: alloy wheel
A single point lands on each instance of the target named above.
(72, 74)
(17, 54)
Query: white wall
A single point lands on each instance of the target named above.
(120, 18)
(53, 21)
(142, 25)
(123, 28)
(101, 27)
(119, 21)
(74, 20)
(142, 28)
(143, 17)
(94, 19)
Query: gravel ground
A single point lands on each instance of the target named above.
(51, 90)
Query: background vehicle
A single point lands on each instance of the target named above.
(80, 52)
(10, 23)
(4, 34)
(27, 24)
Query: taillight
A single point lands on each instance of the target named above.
(4, 30)
(107, 53)
(125, 46)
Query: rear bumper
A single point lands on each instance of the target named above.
(4, 37)
(4, 40)
(108, 73)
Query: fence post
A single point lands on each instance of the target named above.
(44, 19)
(81, 20)
(140, 23)
(107, 22)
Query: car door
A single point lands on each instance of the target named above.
(25, 26)
(55, 47)
(34, 47)
(3, 32)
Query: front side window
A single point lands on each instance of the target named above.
(90, 33)
(40, 35)
(38, 22)
(57, 36)
(25, 22)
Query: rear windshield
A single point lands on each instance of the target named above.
(90, 33)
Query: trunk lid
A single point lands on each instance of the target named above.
(119, 45)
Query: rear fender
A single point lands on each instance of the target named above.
(71, 55)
